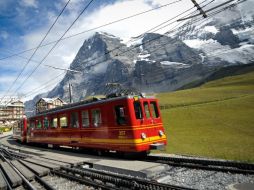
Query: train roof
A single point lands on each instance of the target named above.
(91, 101)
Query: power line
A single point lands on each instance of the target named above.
(121, 46)
(196, 21)
(24, 67)
(118, 47)
(220, 5)
(54, 45)
(95, 28)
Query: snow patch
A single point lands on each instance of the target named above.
(243, 54)
(211, 29)
(108, 35)
(175, 64)
(245, 34)
(143, 57)
(206, 46)
(133, 42)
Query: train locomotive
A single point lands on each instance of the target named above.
(125, 124)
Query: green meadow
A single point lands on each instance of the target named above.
(214, 120)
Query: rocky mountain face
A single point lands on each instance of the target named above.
(155, 62)
(163, 64)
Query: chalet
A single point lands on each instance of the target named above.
(48, 103)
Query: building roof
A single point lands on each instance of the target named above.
(50, 100)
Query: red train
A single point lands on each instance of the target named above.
(121, 124)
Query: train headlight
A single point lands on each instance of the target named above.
(143, 136)
(161, 133)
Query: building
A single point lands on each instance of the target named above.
(48, 103)
(12, 112)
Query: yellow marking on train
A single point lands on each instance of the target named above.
(127, 128)
(93, 140)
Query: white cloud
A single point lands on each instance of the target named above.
(29, 3)
(67, 49)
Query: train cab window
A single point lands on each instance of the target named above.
(85, 119)
(154, 109)
(63, 122)
(138, 110)
(32, 124)
(74, 120)
(120, 115)
(53, 122)
(46, 123)
(147, 112)
(96, 117)
(38, 124)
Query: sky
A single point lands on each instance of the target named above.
(23, 24)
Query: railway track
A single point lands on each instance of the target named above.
(204, 164)
(87, 176)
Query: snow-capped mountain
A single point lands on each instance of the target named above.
(158, 63)
(226, 37)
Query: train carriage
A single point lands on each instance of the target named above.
(20, 130)
(122, 124)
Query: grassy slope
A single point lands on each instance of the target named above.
(215, 120)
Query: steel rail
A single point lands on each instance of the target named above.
(82, 180)
(25, 181)
(122, 180)
(216, 165)
(37, 178)
(6, 180)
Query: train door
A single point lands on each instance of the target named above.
(148, 119)
(75, 128)
(53, 129)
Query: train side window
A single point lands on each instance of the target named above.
(32, 125)
(138, 110)
(96, 117)
(120, 115)
(74, 120)
(46, 122)
(154, 109)
(63, 122)
(147, 112)
(38, 124)
(53, 122)
(85, 119)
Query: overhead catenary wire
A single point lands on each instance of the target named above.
(53, 47)
(120, 46)
(92, 29)
(213, 8)
(134, 47)
(211, 14)
(173, 30)
(150, 30)
(35, 50)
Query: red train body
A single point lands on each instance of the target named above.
(20, 131)
(122, 124)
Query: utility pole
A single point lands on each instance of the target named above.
(67, 70)
(70, 92)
